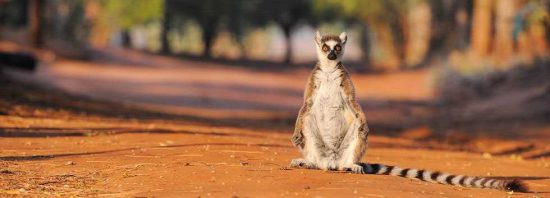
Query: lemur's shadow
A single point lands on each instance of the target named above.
(59, 155)
(518, 177)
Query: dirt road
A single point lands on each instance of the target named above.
(187, 128)
(209, 90)
(165, 159)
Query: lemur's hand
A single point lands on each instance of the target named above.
(361, 117)
(363, 128)
(309, 103)
(297, 139)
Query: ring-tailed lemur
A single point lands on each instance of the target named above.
(331, 130)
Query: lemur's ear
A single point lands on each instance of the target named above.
(318, 38)
(343, 37)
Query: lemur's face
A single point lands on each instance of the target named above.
(330, 47)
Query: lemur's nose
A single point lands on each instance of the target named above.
(332, 56)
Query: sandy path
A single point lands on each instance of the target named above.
(210, 90)
(196, 160)
(56, 152)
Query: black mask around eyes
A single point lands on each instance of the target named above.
(332, 55)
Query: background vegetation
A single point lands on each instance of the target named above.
(468, 38)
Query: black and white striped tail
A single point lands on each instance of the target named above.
(444, 178)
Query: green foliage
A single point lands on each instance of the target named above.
(204, 12)
(126, 13)
(210, 14)
(366, 10)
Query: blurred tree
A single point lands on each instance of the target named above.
(124, 15)
(503, 43)
(13, 13)
(239, 23)
(417, 22)
(286, 14)
(74, 28)
(450, 25)
(36, 15)
(100, 31)
(166, 26)
(546, 21)
(208, 14)
(530, 30)
(482, 27)
(396, 19)
(385, 18)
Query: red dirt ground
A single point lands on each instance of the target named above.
(186, 128)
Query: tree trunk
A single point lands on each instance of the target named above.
(74, 24)
(450, 26)
(419, 19)
(365, 43)
(503, 44)
(443, 25)
(399, 30)
(165, 29)
(36, 10)
(481, 27)
(463, 21)
(208, 34)
(287, 33)
(126, 39)
(547, 27)
(242, 48)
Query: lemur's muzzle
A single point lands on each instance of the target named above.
(332, 55)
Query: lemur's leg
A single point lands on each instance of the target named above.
(314, 147)
(354, 146)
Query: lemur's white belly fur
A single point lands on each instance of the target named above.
(330, 110)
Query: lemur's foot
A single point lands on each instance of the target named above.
(355, 168)
(301, 163)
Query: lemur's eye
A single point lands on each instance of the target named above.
(325, 48)
(338, 47)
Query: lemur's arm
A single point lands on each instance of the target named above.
(349, 92)
(298, 137)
